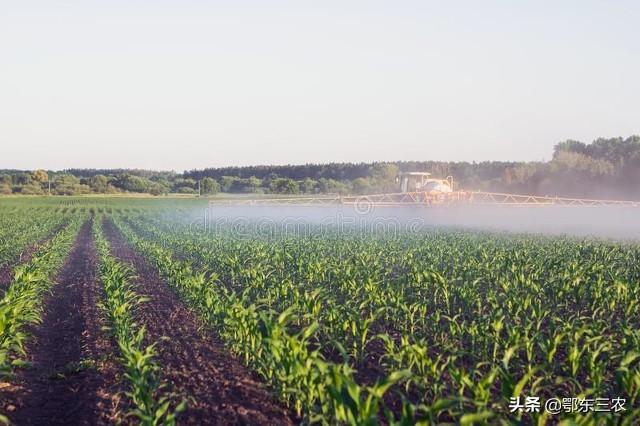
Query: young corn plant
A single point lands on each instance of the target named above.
(493, 315)
(356, 405)
(22, 304)
(300, 376)
(150, 404)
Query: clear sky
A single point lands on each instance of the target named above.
(190, 84)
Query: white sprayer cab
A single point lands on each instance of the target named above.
(422, 182)
(436, 186)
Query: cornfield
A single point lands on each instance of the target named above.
(435, 327)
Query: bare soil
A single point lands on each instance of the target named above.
(194, 361)
(74, 377)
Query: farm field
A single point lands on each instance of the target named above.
(129, 310)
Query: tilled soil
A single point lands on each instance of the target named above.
(194, 362)
(74, 377)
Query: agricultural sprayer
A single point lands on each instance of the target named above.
(420, 189)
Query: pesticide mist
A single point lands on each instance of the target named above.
(619, 223)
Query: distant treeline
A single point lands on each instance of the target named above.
(605, 168)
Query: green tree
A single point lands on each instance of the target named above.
(40, 176)
(360, 186)
(253, 185)
(157, 189)
(227, 183)
(384, 176)
(99, 183)
(308, 186)
(31, 189)
(5, 189)
(132, 183)
(6, 180)
(384, 171)
(284, 186)
(209, 186)
(332, 186)
(23, 179)
(185, 190)
(67, 184)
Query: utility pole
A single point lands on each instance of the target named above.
(199, 192)
(49, 182)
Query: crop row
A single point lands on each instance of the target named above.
(18, 231)
(149, 403)
(22, 304)
(476, 318)
(321, 390)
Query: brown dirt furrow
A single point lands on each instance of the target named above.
(74, 377)
(194, 362)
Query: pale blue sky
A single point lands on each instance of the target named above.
(186, 84)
